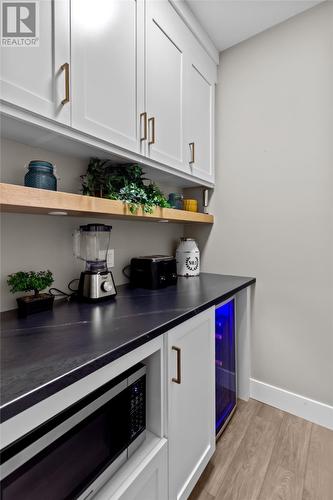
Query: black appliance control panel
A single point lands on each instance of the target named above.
(137, 402)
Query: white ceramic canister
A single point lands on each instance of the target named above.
(188, 258)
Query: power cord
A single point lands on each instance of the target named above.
(69, 285)
(61, 293)
(124, 272)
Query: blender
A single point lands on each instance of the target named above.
(91, 244)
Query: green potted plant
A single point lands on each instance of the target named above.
(32, 281)
(122, 182)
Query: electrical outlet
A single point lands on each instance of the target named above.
(110, 258)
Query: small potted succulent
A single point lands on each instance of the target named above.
(32, 281)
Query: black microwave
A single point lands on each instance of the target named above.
(73, 454)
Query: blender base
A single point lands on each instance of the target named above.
(96, 286)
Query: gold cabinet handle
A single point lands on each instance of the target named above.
(192, 149)
(65, 68)
(178, 379)
(144, 117)
(152, 128)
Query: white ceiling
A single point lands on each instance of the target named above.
(228, 22)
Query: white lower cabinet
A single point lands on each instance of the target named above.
(180, 414)
(191, 402)
(147, 481)
(152, 483)
(167, 468)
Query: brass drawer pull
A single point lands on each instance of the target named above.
(144, 117)
(192, 149)
(152, 128)
(65, 68)
(178, 379)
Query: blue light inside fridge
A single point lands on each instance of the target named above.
(225, 362)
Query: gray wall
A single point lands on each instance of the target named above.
(274, 196)
(33, 242)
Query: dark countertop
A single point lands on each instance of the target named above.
(46, 352)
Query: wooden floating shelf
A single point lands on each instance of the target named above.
(26, 200)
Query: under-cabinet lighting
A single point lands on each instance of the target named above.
(163, 220)
(57, 212)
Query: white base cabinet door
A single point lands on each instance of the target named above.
(149, 482)
(37, 78)
(107, 77)
(152, 483)
(191, 402)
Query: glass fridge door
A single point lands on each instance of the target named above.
(225, 362)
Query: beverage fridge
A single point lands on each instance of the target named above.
(225, 363)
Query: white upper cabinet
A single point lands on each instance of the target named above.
(199, 124)
(36, 78)
(191, 402)
(179, 94)
(107, 86)
(165, 84)
(129, 73)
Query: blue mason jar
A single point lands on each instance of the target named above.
(175, 200)
(40, 175)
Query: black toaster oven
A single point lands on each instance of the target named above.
(153, 271)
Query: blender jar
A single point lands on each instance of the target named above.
(91, 244)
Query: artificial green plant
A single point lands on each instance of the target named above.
(122, 182)
(30, 281)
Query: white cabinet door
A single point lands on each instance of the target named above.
(200, 122)
(31, 76)
(191, 402)
(165, 84)
(152, 483)
(107, 69)
(149, 480)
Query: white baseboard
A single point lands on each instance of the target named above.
(309, 409)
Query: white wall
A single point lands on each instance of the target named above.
(274, 197)
(36, 242)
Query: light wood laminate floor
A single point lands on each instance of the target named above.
(267, 454)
